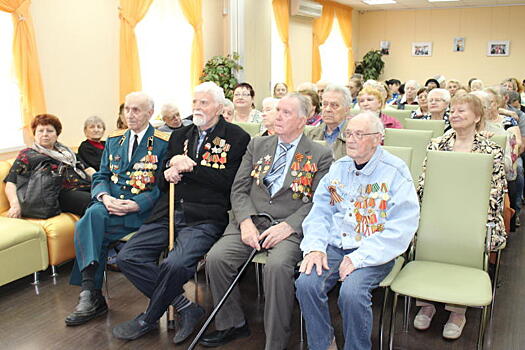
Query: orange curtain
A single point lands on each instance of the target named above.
(192, 10)
(25, 57)
(344, 17)
(131, 12)
(321, 29)
(281, 11)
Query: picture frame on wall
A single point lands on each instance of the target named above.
(498, 48)
(385, 47)
(459, 44)
(422, 49)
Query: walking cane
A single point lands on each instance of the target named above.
(171, 310)
(230, 288)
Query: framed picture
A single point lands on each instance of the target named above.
(498, 48)
(459, 44)
(423, 48)
(385, 47)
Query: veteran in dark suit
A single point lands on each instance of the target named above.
(202, 160)
(123, 193)
(278, 175)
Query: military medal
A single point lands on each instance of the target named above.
(334, 196)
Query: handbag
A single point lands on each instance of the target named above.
(38, 194)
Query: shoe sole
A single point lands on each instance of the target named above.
(87, 319)
(214, 345)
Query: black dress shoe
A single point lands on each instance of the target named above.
(133, 329)
(218, 338)
(189, 318)
(90, 305)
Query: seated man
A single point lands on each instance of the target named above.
(278, 176)
(123, 192)
(335, 109)
(202, 160)
(171, 118)
(364, 215)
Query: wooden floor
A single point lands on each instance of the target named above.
(33, 318)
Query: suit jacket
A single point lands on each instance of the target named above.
(338, 147)
(204, 193)
(250, 196)
(135, 179)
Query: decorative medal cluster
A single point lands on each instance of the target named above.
(303, 176)
(215, 154)
(143, 173)
(261, 167)
(114, 167)
(365, 210)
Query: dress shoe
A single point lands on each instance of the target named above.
(452, 331)
(133, 329)
(189, 318)
(90, 305)
(218, 338)
(422, 321)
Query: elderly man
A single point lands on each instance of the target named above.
(410, 95)
(365, 213)
(202, 160)
(124, 191)
(277, 176)
(336, 105)
(171, 117)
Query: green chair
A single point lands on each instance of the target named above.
(399, 114)
(453, 244)
(501, 140)
(411, 107)
(436, 126)
(418, 140)
(307, 128)
(405, 153)
(251, 128)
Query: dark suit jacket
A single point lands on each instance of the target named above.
(204, 193)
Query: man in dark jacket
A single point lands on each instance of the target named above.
(202, 159)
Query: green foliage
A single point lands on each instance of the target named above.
(221, 70)
(371, 66)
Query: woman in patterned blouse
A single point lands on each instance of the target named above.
(466, 120)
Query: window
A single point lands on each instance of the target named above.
(11, 136)
(164, 39)
(334, 57)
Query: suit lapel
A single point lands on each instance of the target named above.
(124, 150)
(268, 148)
(142, 146)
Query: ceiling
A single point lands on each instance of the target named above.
(424, 4)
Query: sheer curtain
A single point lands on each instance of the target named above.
(334, 57)
(164, 40)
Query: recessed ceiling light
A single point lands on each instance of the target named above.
(379, 2)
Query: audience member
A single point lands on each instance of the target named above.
(121, 119)
(269, 112)
(373, 100)
(306, 86)
(227, 110)
(171, 117)
(393, 87)
(280, 90)
(438, 106)
(476, 85)
(314, 117)
(409, 97)
(452, 86)
(90, 150)
(422, 109)
(243, 100)
(432, 84)
(321, 85)
(354, 86)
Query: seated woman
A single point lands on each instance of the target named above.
(354, 86)
(466, 120)
(432, 84)
(476, 85)
(438, 101)
(75, 193)
(269, 112)
(90, 150)
(279, 90)
(121, 121)
(452, 86)
(243, 97)
(227, 110)
(370, 99)
(314, 117)
(422, 95)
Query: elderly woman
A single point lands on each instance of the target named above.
(354, 86)
(227, 110)
(422, 101)
(452, 86)
(314, 117)
(410, 95)
(466, 120)
(373, 100)
(74, 193)
(432, 84)
(121, 121)
(269, 112)
(476, 85)
(243, 98)
(438, 101)
(279, 90)
(90, 150)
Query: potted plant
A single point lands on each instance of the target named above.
(222, 71)
(371, 66)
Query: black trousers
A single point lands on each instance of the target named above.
(75, 202)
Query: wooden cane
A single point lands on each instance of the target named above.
(171, 310)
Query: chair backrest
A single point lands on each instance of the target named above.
(436, 126)
(399, 114)
(418, 140)
(5, 166)
(501, 140)
(405, 153)
(411, 107)
(452, 226)
(251, 128)
(308, 128)
(322, 142)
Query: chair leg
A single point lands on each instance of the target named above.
(257, 280)
(36, 279)
(381, 321)
(54, 272)
(302, 327)
(496, 275)
(196, 277)
(406, 313)
(392, 323)
(482, 326)
(106, 285)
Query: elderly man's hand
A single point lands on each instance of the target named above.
(182, 163)
(250, 234)
(172, 175)
(15, 212)
(276, 234)
(346, 268)
(115, 206)
(317, 259)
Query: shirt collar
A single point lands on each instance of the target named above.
(371, 164)
(338, 128)
(294, 142)
(140, 134)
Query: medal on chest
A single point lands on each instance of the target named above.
(302, 171)
(261, 167)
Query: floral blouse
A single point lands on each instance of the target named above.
(28, 159)
(498, 183)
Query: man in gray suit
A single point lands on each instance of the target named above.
(278, 176)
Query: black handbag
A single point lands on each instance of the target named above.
(38, 194)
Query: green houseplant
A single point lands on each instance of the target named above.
(221, 70)
(371, 66)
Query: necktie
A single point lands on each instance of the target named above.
(202, 136)
(278, 166)
(135, 145)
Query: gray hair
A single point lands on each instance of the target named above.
(444, 93)
(347, 97)
(228, 103)
(270, 100)
(142, 95)
(213, 89)
(307, 86)
(167, 107)
(304, 103)
(483, 96)
(94, 120)
(412, 83)
(373, 121)
(512, 96)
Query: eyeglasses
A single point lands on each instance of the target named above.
(358, 135)
(432, 100)
(244, 94)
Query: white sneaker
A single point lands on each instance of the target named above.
(422, 321)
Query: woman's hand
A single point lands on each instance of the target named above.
(15, 212)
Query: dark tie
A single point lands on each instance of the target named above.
(135, 145)
(277, 167)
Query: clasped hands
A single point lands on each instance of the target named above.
(319, 261)
(178, 164)
(119, 207)
(250, 234)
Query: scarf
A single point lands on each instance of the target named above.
(62, 154)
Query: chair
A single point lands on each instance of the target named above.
(501, 140)
(418, 140)
(451, 255)
(411, 107)
(251, 128)
(399, 114)
(436, 126)
(405, 153)
(307, 128)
